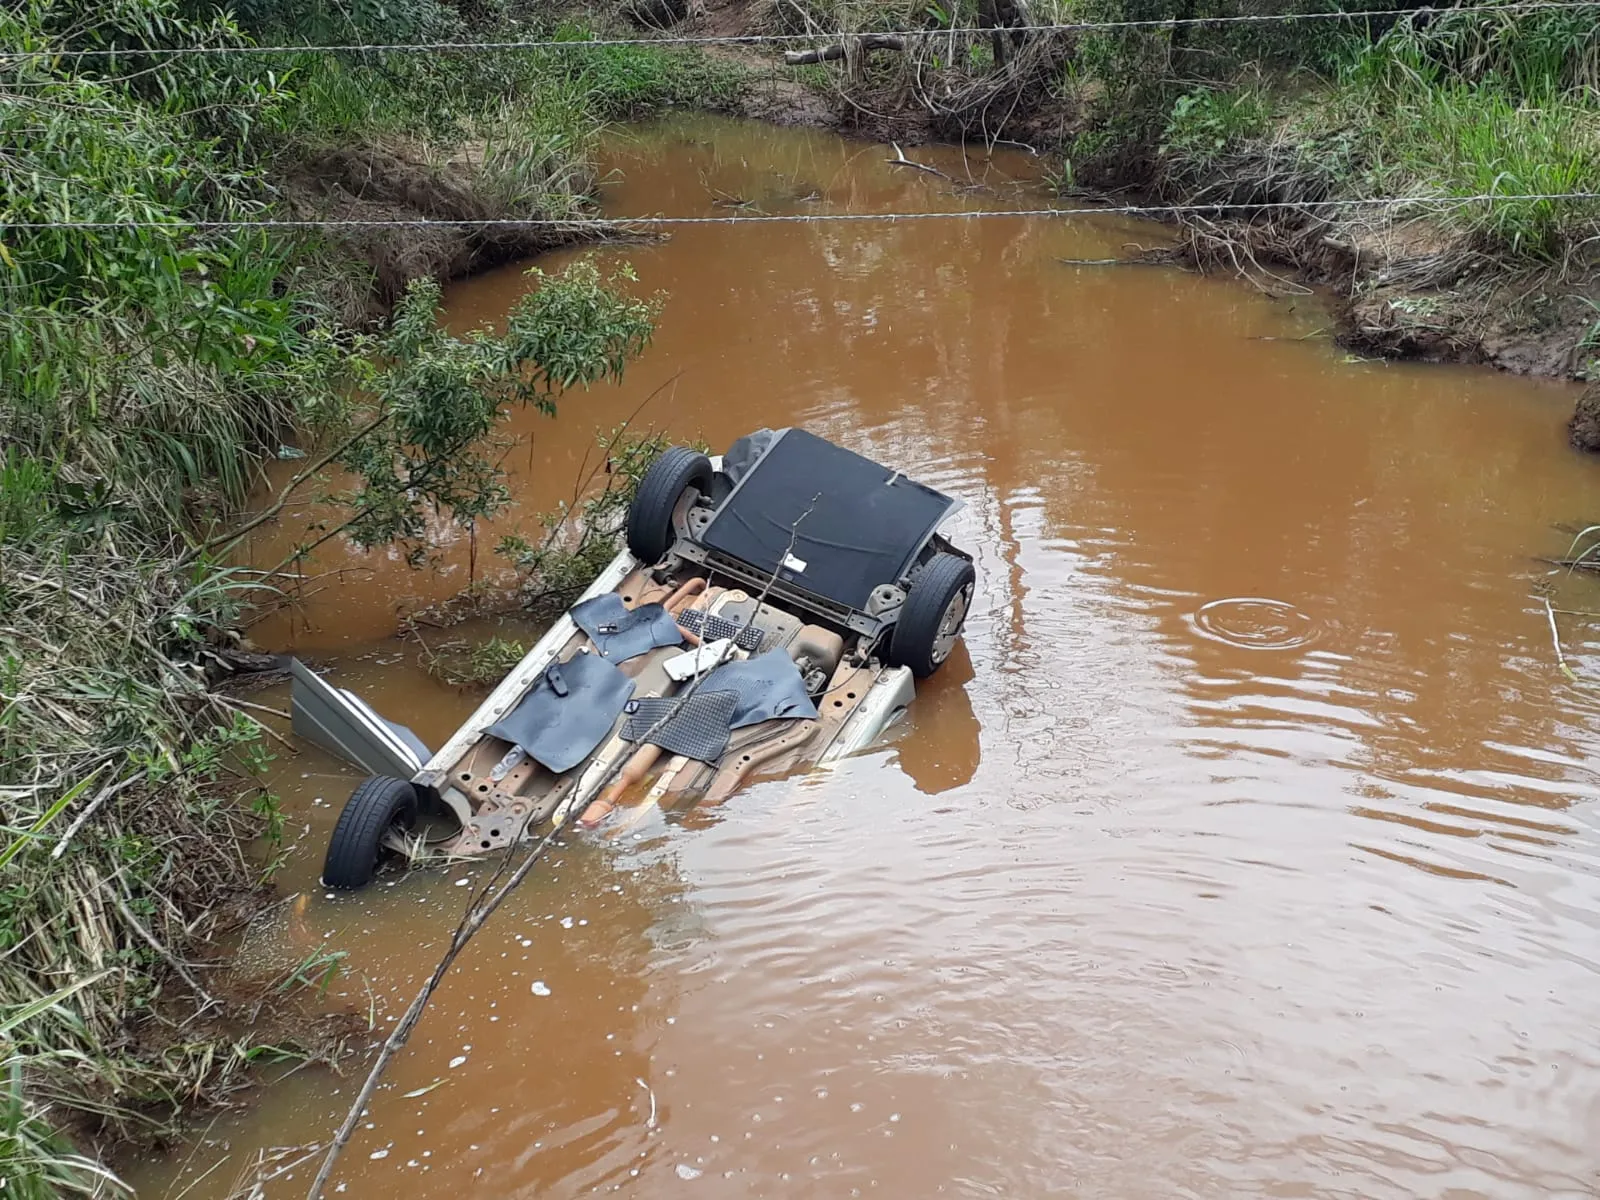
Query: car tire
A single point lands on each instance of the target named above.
(375, 807)
(933, 615)
(650, 533)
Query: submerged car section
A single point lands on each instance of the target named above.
(770, 611)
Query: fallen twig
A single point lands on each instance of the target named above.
(104, 794)
(1299, 337)
(155, 944)
(1555, 640)
(650, 1121)
(871, 41)
(900, 160)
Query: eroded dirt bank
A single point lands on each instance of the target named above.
(393, 180)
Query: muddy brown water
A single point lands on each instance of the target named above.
(1251, 846)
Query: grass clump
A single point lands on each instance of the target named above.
(583, 535)
(1496, 109)
(463, 663)
(1448, 107)
(622, 82)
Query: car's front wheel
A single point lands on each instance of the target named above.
(379, 804)
(650, 532)
(934, 614)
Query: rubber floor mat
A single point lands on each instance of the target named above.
(712, 628)
(568, 713)
(696, 727)
(768, 686)
(621, 633)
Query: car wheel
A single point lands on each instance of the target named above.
(933, 615)
(379, 804)
(650, 533)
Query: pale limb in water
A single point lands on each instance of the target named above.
(900, 160)
(1555, 640)
(650, 1122)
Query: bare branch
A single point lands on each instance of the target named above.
(870, 41)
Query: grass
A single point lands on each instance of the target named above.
(1503, 105)
(582, 536)
(145, 377)
(143, 373)
(122, 841)
(461, 663)
(622, 82)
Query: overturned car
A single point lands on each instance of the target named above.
(772, 609)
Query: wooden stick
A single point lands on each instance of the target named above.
(900, 160)
(872, 41)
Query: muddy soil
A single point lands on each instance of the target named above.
(398, 181)
(1584, 428)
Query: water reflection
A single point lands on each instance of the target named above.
(940, 747)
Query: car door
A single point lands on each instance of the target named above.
(344, 724)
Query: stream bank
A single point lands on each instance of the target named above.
(163, 340)
(1327, 125)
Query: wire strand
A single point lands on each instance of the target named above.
(622, 223)
(743, 39)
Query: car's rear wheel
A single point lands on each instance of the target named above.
(379, 804)
(934, 614)
(650, 533)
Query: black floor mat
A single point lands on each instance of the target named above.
(825, 519)
(568, 713)
(621, 633)
(712, 628)
(697, 727)
(768, 686)
(732, 696)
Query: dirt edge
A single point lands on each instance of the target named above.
(362, 271)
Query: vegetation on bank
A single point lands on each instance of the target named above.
(1447, 110)
(147, 372)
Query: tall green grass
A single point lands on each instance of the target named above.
(1496, 105)
(1475, 105)
(622, 82)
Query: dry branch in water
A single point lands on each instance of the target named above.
(900, 160)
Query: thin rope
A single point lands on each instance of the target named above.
(615, 223)
(744, 39)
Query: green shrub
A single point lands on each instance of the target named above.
(1203, 123)
(620, 82)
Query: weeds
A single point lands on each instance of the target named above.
(146, 373)
(466, 664)
(1205, 122)
(1449, 106)
(629, 81)
(119, 847)
(583, 535)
